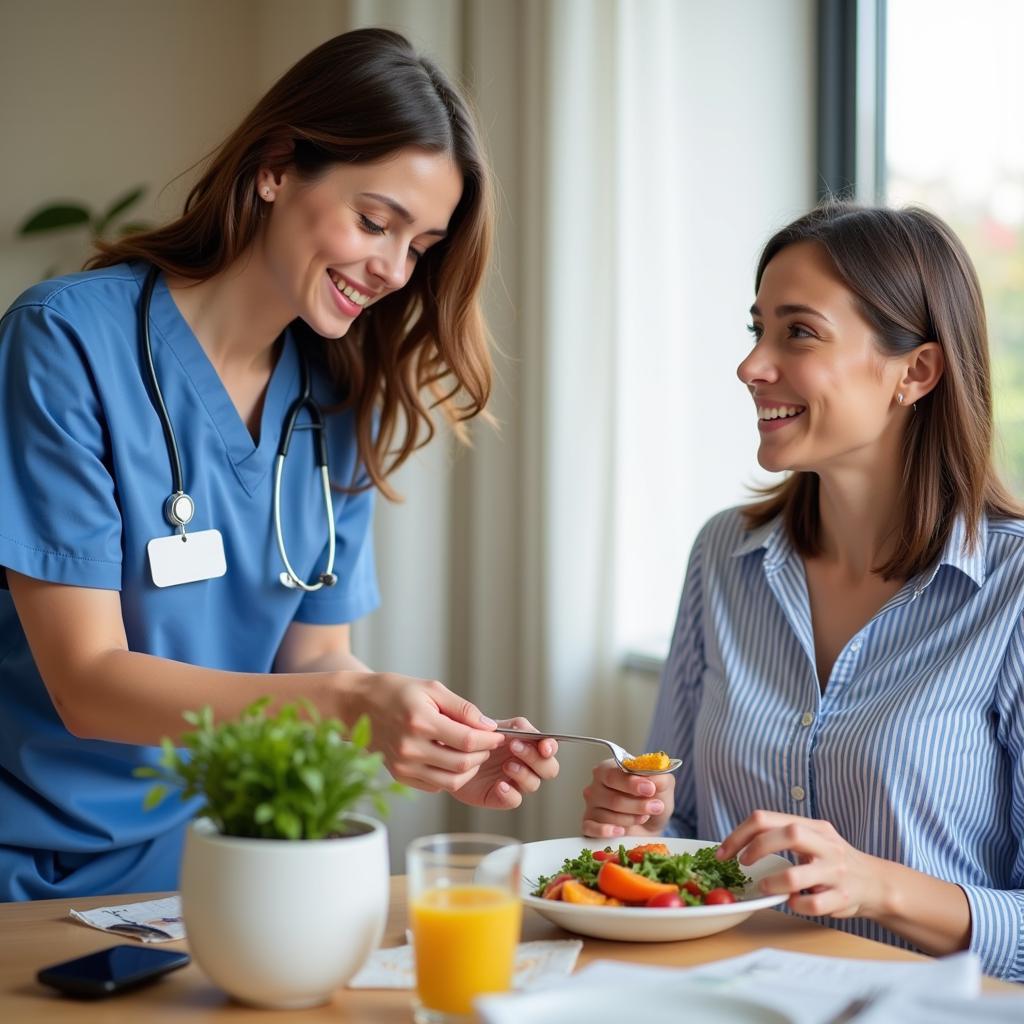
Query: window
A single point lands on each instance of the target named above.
(954, 142)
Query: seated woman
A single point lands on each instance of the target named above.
(846, 678)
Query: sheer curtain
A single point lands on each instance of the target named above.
(643, 149)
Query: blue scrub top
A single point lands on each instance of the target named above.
(84, 474)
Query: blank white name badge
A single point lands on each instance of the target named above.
(186, 558)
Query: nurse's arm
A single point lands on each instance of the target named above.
(313, 648)
(430, 738)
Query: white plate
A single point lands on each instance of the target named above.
(640, 924)
(602, 1003)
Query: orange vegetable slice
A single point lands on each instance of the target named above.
(628, 886)
(637, 853)
(577, 892)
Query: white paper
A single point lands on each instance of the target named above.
(803, 989)
(919, 1009)
(162, 916)
(535, 963)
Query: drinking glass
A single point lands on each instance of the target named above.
(464, 912)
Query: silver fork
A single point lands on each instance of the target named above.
(128, 928)
(619, 753)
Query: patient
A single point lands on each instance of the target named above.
(846, 679)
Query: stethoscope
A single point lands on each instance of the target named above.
(179, 508)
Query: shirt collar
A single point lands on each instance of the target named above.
(773, 538)
(973, 564)
(778, 548)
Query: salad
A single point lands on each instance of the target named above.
(648, 875)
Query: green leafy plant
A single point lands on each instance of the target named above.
(58, 216)
(292, 775)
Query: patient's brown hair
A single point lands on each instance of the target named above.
(913, 282)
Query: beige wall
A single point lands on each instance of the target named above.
(102, 95)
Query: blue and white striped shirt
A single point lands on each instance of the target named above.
(914, 752)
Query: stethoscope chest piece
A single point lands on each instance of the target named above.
(179, 508)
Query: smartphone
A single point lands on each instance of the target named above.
(112, 970)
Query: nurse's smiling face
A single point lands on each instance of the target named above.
(339, 243)
(823, 391)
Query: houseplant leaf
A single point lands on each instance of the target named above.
(288, 775)
(134, 227)
(57, 215)
(117, 207)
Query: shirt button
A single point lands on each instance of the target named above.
(806, 718)
(855, 646)
(797, 793)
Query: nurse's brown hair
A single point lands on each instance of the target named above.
(357, 99)
(913, 282)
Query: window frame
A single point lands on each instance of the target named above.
(851, 43)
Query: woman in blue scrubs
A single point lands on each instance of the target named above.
(345, 226)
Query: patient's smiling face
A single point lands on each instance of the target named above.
(822, 388)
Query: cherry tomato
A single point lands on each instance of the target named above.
(719, 896)
(665, 899)
(606, 855)
(693, 889)
(552, 891)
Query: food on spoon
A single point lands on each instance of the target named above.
(648, 875)
(656, 762)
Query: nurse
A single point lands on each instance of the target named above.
(846, 679)
(342, 231)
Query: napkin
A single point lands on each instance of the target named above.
(792, 987)
(148, 921)
(536, 962)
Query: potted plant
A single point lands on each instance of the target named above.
(284, 887)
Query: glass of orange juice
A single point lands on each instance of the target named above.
(464, 912)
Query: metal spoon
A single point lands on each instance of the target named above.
(619, 753)
(141, 930)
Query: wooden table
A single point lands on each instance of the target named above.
(35, 934)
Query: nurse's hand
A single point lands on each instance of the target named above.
(620, 804)
(512, 771)
(431, 739)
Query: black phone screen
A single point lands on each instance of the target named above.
(111, 970)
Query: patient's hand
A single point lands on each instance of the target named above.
(619, 804)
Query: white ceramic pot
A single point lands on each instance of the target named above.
(284, 923)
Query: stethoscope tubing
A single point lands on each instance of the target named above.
(289, 577)
(157, 395)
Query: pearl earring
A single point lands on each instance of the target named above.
(899, 398)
